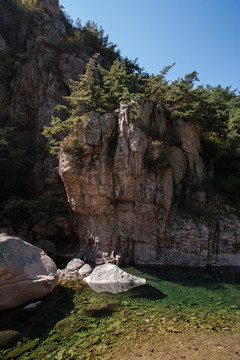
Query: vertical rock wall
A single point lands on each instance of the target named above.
(124, 208)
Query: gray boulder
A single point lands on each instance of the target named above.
(110, 278)
(85, 270)
(72, 269)
(26, 272)
(74, 264)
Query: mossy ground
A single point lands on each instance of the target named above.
(175, 305)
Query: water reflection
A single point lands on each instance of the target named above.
(24, 317)
(112, 288)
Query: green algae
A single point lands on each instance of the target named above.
(174, 301)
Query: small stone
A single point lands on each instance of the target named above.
(97, 310)
(64, 323)
(122, 314)
(85, 270)
(9, 338)
(226, 328)
(172, 329)
(210, 327)
(74, 264)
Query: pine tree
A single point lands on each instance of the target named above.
(115, 85)
(86, 92)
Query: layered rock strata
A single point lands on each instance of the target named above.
(126, 196)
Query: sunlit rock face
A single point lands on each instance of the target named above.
(125, 205)
(110, 278)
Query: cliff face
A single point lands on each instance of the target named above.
(127, 204)
(42, 79)
(140, 200)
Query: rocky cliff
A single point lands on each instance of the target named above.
(42, 79)
(133, 199)
(142, 201)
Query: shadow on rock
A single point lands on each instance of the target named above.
(37, 318)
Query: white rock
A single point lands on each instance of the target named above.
(74, 264)
(85, 270)
(110, 278)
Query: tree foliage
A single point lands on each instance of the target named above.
(214, 110)
(97, 89)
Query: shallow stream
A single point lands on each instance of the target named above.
(77, 323)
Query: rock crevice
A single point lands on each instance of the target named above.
(128, 204)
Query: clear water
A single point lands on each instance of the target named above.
(174, 300)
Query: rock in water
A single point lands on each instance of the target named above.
(110, 278)
(26, 272)
(9, 338)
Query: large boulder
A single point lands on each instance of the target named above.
(110, 278)
(26, 272)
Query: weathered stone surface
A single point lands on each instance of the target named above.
(124, 210)
(85, 270)
(72, 269)
(110, 278)
(93, 130)
(26, 272)
(70, 67)
(74, 264)
(189, 137)
(99, 127)
(43, 79)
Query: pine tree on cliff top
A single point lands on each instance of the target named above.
(96, 90)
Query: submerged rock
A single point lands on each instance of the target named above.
(26, 272)
(110, 278)
(9, 338)
(100, 310)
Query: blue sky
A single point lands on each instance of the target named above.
(201, 35)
